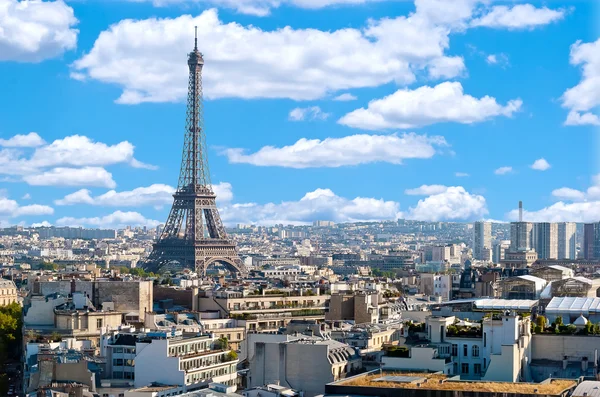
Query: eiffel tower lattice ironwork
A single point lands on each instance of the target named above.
(194, 234)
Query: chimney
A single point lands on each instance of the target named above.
(520, 211)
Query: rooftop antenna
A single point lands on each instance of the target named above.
(196, 38)
(520, 211)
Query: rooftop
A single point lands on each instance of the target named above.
(576, 305)
(438, 381)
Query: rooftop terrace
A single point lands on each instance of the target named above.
(438, 381)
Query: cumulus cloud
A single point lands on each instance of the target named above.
(346, 96)
(12, 209)
(453, 203)
(74, 157)
(41, 224)
(540, 165)
(116, 220)
(582, 99)
(144, 57)
(503, 170)
(575, 206)
(337, 152)
(64, 176)
(318, 204)
(446, 102)
(520, 16)
(426, 190)
(310, 113)
(153, 195)
(35, 30)
(461, 174)
(29, 140)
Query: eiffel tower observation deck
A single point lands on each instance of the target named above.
(194, 235)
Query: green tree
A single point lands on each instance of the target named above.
(558, 321)
(230, 356)
(541, 322)
(55, 337)
(47, 266)
(222, 343)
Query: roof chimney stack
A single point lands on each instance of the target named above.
(520, 211)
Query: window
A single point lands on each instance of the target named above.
(454, 350)
(475, 351)
(477, 369)
(118, 350)
(464, 368)
(465, 351)
(484, 339)
(118, 361)
(118, 375)
(98, 323)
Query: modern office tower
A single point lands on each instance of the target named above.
(522, 236)
(591, 241)
(546, 240)
(499, 249)
(482, 239)
(567, 237)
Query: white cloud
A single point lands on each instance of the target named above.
(491, 59)
(34, 209)
(497, 59)
(503, 170)
(310, 113)
(86, 176)
(144, 57)
(576, 206)
(454, 203)
(41, 224)
(562, 212)
(426, 190)
(576, 118)
(520, 16)
(566, 193)
(76, 157)
(346, 96)
(461, 174)
(426, 105)
(30, 140)
(116, 220)
(585, 96)
(153, 195)
(260, 8)
(337, 152)
(569, 194)
(12, 209)
(540, 165)
(318, 204)
(26, 196)
(32, 31)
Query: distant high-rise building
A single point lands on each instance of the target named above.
(546, 240)
(323, 223)
(522, 236)
(591, 243)
(567, 237)
(482, 239)
(499, 249)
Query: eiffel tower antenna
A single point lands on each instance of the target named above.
(194, 235)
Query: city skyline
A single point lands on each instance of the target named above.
(403, 121)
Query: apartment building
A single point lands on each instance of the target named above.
(176, 358)
(496, 351)
(307, 364)
(8, 292)
(269, 310)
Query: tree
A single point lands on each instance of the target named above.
(222, 343)
(230, 356)
(47, 266)
(541, 322)
(558, 321)
(55, 337)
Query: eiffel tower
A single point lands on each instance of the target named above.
(194, 235)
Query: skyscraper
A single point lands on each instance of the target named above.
(482, 239)
(591, 245)
(567, 237)
(522, 236)
(546, 240)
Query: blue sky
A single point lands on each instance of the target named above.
(343, 110)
